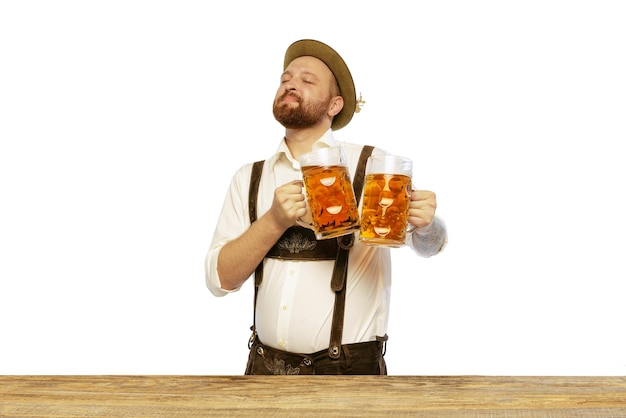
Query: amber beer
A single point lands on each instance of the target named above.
(386, 198)
(329, 192)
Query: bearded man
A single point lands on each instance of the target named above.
(302, 324)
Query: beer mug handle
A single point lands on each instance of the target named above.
(306, 220)
(304, 223)
(410, 227)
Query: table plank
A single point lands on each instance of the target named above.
(202, 396)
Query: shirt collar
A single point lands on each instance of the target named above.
(326, 140)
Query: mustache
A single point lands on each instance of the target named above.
(290, 93)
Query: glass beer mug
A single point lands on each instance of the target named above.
(386, 198)
(329, 193)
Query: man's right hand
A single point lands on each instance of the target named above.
(289, 204)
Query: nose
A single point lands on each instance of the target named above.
(290, 86)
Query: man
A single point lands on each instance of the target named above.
(321, 310)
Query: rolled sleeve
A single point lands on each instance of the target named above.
(430, 240)
(232, 222)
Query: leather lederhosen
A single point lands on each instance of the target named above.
(298, 243)
(366, 358)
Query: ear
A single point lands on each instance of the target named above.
(336, 104)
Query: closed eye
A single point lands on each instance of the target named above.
(286, 76)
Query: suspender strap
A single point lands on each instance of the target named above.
(255, 179)
(340, 272)
(359, 176)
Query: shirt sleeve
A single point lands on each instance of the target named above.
(232, 222)
(430, 240)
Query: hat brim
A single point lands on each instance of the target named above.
(336, 64)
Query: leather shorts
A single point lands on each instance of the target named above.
(365, 358)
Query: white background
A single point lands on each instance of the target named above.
(121, 123)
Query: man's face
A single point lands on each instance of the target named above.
(307, 89)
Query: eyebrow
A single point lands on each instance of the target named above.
(309, 73)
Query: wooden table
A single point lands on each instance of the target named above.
(302, 396)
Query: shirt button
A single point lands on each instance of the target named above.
(281, 343)
(284, 307)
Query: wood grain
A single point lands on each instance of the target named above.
(303, 396)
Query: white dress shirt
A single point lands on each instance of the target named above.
(295, 302)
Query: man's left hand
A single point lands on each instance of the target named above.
(422, 208)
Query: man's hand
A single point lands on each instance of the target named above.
(422, 208)
(288, 204)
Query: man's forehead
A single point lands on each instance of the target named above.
(310, 64)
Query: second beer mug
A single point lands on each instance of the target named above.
(386, 198)
(329, 192)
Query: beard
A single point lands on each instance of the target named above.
(305, 115)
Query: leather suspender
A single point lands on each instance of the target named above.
(340, 271)
(255, 179)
